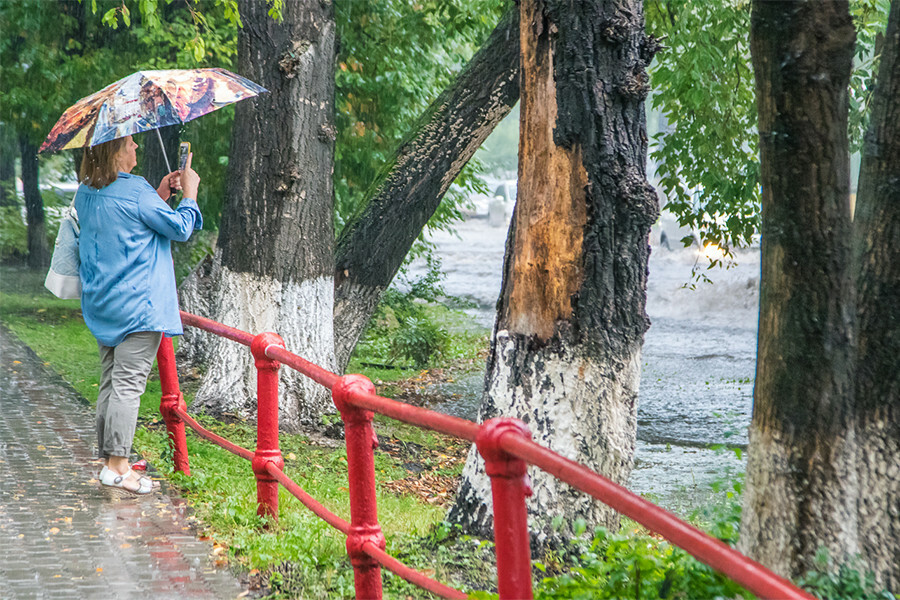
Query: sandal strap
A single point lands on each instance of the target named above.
(145, 486)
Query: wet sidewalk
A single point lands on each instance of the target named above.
(61, 535)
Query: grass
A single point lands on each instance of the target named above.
(300, 555)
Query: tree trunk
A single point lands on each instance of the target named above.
(38, 249)
(876, 241)
(374, 243)
(8, 153)
(802, 481)
(154, 168)
(565, 353)
(273, 269)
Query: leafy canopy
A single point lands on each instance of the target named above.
(707, 153)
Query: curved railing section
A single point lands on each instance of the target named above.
(504, 443)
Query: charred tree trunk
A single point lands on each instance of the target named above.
(374, 243)
(38, 248)
(565, 353)
(273, 269)
(802, 483)
(877, 268)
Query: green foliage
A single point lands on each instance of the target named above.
(870, 17)
(848, 581)
(394, 58)
(631, 564)
(708, 153)
(635, 566)
(703, 86)
(13, 233)
(401, 327)
(420, 340)
(51, 55)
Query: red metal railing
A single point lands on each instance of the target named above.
(504, 443)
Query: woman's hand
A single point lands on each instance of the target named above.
(169, 185)
(190, 181)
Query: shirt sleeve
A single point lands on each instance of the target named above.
(177, 224)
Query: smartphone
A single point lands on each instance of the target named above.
(183, 152)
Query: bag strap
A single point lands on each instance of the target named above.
(73, 214)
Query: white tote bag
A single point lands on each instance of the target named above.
(63, 278)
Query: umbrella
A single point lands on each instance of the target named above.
(147, 100)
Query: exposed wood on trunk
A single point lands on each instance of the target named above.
(276, 239)
(877, 269)
(38, 248)
(801, 476)
(374, 243)
(551, 212)
(565, 355)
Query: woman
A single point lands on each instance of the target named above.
(128, 295)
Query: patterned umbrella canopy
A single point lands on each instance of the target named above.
(146, 100)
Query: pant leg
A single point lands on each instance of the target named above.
(133, 358)
(105, 389)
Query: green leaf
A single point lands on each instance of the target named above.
(109, 18)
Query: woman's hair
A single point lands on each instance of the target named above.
(98, 164)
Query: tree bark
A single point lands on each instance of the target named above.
(273, 269)
(374, 243)
(876, 240)
(801, 487)
(38, 248)
(565, 352)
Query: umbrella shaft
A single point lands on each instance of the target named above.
(163, 146)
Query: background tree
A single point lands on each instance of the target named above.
(876, 239)
(565, 352)
(409, 192)
(416, 179)
(46, 51)
(801, 468)
(822, 469)
(273, 267)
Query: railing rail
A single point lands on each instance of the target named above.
(504, 443)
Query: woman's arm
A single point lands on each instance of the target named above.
(175, 224)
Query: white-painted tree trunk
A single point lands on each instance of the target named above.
(301, 313)
(581, 407)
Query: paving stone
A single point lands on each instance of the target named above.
(61, 534)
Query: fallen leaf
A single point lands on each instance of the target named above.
(125, 545)
(54, 530)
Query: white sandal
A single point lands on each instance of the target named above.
(111, 479)
(153, 482)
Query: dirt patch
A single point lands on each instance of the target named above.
(434, 473)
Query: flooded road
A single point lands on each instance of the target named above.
(698, 359)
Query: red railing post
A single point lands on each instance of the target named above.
(509, 488)
(267, 448)
(172, 400)
(361, 443)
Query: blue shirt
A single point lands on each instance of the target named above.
(127, 276)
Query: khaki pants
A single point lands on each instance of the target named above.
(123, 378)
